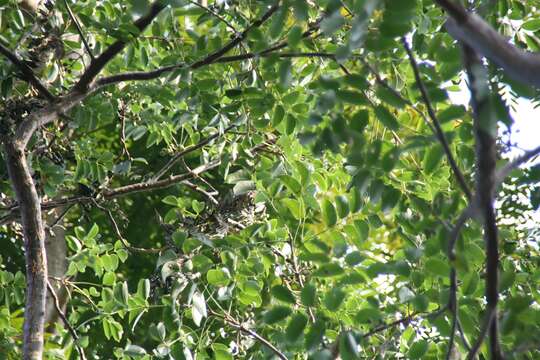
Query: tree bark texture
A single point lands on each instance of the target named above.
(34, 245)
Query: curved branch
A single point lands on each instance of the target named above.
(472, 30)
(503, 173)
(66, 321)
(97, 64)
(237, 325)
(27, 73)
(34, 246)
(486, 159)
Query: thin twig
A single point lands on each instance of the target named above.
(503, 173)
(209, 195)
(121, 115)
(79, 29)
(436, 124)
(66, 321)
(121, 237)
(405, 320)
(462, 335)
(486, 324)
(188, 150)
(215, 14)
(235, 324)
(60, 217)
(453, 307)
(456, 230)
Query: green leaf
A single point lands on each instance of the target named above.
(386, 117)
(134, 350)
(292, 184)
(342, 206)
(451, 113)
(438, 267)
(351, 97)
(282, 293)
(328, 270)
(295, 36)
(418, 349)
(308, 295)
(296, 327)
(294, 207)
(276, 314)
(531, 25)
(301, 9)
(354, 258)
(315, 335)
(332, 23)
(389, 97)
(221, 352)
(328, 213)
(432, 158)
(198, 308)
(334, 298)
(218, 277)
(279, 114)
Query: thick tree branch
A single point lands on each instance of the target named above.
(117, 192)
(156, 73)
(486, 158)
(34, 245)
(472, 30)
(436, 124)
(207, 60)
(27, 73)
(97, 64)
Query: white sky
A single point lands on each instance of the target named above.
(526, 129)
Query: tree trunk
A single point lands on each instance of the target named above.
(56, 249)
(34, 245)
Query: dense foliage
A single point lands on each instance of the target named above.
(288, 197)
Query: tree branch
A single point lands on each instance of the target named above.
(215, 14)
(472, 30)
(189, 150)
(156, 73)
(27, 73)
(117, 192)
(503, 173)
(237, 325)
(436, 124)
(97, 64)
(486, 157)
(79, 29)
(404, 320)
(207, 60)
(486, 325)
(118, 233)
(34, 245)
(66, 321)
